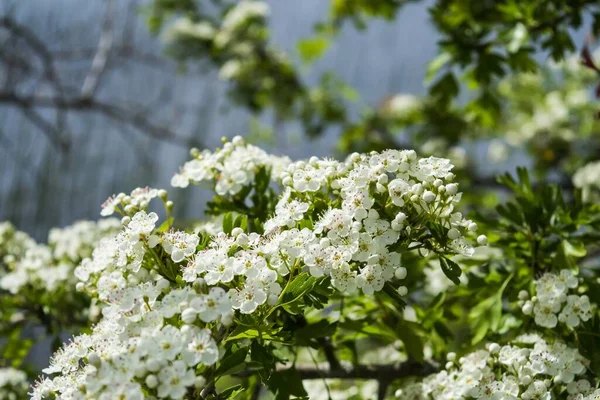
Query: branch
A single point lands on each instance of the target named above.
(329, 351)
(90, 85)
(47, 128)
(128, 117)
(38, 46)
(378, 372)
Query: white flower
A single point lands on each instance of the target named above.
(174, 380)
(180, 244)
(248, 299)
(202, 349)
(212, 306)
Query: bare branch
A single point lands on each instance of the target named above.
(90, 85)
(137, 120)
(378, 372)
(38, 46)
(47, 128)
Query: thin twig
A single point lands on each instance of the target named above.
(90, 84)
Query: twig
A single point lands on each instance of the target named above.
(329, 351)
(378, 372)
(136, 120)
(90, 84)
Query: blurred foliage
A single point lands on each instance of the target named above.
(485, 83)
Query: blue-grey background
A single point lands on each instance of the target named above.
(41, 187)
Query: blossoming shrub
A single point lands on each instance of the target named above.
(38, 289)
(181, 311)
(319, 269)
(527, 368)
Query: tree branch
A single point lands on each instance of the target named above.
(329, 351)
(90, 85)
(137, 120)
(379, 372)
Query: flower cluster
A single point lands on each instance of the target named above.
(136, 344)
(48, 267)
(528, 368)
(553, 302)
(168, 297)
(137, 200)
(13, 384)
(13, 245)
(231, 168)
(77, 241)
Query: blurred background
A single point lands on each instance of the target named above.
(59, 162)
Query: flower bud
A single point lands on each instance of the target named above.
(482, 240)
(152, 365)
(162, 284)
(189, 315)
(139, 371)
(400, 273)
(199, 382)
(453, 233)
(428, 196)
(402, 290)
(452, 189)
(227, 319)
(151, 381)
(494, 348)
(272, 300)
(523, 295)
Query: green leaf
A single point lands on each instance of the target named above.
(312, 49)
(391, 291)
(435, 65)
(231, 393)
(228, 223)
(165, 225)
(451, 270)
(322, 328)
(487, 315)
(407, 332)
(241, 222)
(300, 286)
(445, 88)
(286, 384)
(244, 332)
(232, 359)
